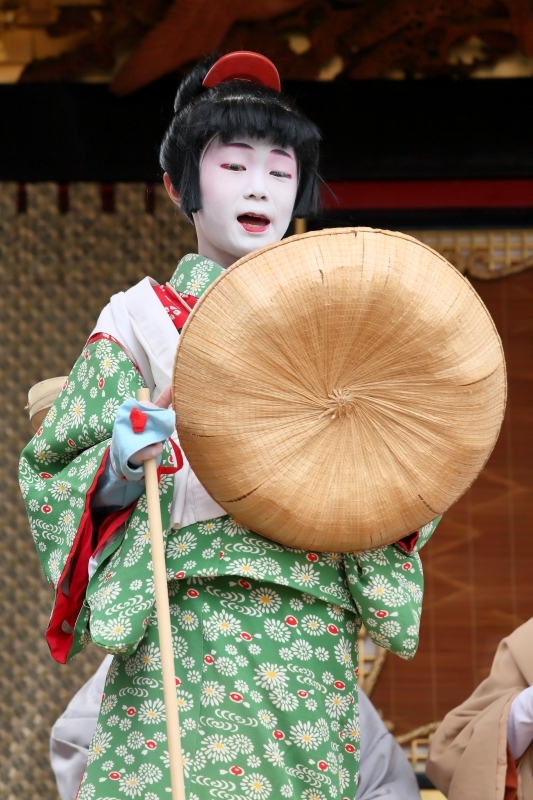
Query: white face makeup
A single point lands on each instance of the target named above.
(248, 189)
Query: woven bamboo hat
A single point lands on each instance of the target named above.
(340, 389)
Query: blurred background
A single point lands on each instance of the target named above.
(423, 108)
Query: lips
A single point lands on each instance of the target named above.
(254, 223)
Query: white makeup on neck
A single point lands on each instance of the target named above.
(248, 188)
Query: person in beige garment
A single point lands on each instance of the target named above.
(483, 748)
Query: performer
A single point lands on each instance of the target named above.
(483, 749)
(384, 772)
(265, 636)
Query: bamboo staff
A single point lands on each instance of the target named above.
(163, 623)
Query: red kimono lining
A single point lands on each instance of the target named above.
(177, 304)
(67, 607)
(408, 543)
(60, 633)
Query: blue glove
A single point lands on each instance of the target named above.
(137, 426)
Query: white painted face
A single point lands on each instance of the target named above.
(248, 188)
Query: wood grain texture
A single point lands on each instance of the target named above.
(478, 567)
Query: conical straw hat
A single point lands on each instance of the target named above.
(340, 389)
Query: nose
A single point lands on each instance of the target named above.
(256, 189)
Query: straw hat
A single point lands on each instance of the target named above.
(340, 389)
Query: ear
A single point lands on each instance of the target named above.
(172, 193)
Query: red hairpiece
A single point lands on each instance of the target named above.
(243, 65)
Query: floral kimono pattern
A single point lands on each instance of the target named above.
(265, 636)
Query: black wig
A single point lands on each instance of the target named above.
(232, 109)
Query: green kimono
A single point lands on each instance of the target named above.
(265, 636)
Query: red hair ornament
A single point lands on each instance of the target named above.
(243, 65)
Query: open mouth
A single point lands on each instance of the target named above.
(254, 223)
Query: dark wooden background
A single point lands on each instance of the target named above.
(479, 566)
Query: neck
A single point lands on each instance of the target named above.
(208, 250)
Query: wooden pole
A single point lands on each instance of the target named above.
(163, 622)
(300, 226)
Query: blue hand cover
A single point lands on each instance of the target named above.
(137, 426)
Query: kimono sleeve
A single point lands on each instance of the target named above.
(60, 467)
(387, 585)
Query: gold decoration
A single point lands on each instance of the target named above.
(485, 254)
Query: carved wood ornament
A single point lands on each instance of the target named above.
(134, 43)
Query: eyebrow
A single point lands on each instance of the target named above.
(282, 153)
(239, 144)
(276, 151)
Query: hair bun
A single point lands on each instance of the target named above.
(191, 86)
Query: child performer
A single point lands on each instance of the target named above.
(265, 636)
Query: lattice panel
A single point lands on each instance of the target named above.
(57, 272)
(415, 745)
(483, 254)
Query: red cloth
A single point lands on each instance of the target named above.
(511, 779)
(408, 542)
(179, 312)
(138, 420)
(74, 580)
(97, 336)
